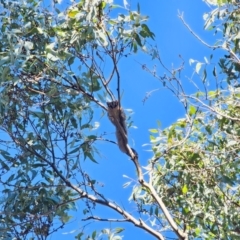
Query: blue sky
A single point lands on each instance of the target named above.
(172, 39)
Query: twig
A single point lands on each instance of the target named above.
(104, 219)
(228, 49)
(113, 57)
(195, 35)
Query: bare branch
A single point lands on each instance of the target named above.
(194, 34)
(104, 219)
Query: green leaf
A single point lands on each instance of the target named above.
(209, 129)
(134, 46)
(85, 126)
(184, 189)
(212, 94)
(119, 230)
(204, 75)
(151, 211)
(191, 61)
(89, 155)
(138, 39)
(73, 122)
(192, 110)
(228, 180)
(153, 130)
(34, 174)
(37, 165)
(199, 94)
(198, 67)
(91, 137)
(71, 61)
(94, 234)
(103, 5)
(156, 211)
(95, 84)
(206, 60)
(126, 184)
(65, 218)
(4, 165)
(11, 178)
(77, 149)
(186, 210)
(182, 124)
(214, 72)
(72, 13)
(79, 236)
(197, 231)
(52, 56)
(152, 138)
(147, 31)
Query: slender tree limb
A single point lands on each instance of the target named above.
(97, 72)
(180, 15)
(104, 219)
(182, 235)
(227, 48)
(114, 60)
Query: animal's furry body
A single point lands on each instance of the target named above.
(118, 118)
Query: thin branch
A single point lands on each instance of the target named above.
(176, 91)
(148, 95)
(104, 219)
(195, 35)
(104, 83)
(178, 231)
(48, 131)
(97, 72)
(228, 49)
(113, 57)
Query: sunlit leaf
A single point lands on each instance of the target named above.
(192, 110)
(198, 67)
(153, 130)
